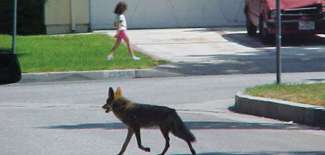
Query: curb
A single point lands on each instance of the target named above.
(95, 75)
(279, 109)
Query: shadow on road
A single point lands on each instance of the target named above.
(263, 153)
(301, 60)
(255, 42)
(5, 50)
(195, 125)
(316, 80)
(239, 35)
(299, 54)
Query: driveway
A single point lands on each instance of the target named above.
(212, 51)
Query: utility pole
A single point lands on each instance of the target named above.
(14, 27)
(278, 42)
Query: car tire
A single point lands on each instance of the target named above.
(263, 32)
(250, 27)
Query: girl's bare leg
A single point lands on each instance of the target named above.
(131, 52)
(116, 45)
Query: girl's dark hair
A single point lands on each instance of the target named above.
(120, 8)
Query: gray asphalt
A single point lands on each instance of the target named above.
(65, 118)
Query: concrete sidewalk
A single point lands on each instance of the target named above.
(207, 51)
(213, 51)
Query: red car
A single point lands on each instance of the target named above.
(298, 16)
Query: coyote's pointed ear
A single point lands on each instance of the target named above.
(111, 93)
(118, 92)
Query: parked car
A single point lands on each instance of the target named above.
(298, 17)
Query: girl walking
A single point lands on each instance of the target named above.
(121, 28)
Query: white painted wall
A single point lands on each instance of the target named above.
(170, 13)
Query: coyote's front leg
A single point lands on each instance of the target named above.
(137, 134)
(127, 140)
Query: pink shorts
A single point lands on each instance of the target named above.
(121, 35)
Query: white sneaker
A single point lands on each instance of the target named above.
(135, 58)
(109, 57)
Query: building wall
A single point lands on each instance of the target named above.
(170, 13)
(65, 16)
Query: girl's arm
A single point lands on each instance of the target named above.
(117, 24)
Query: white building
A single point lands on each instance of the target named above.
(169, 13)
(64, 16)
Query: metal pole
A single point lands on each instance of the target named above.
(14, 27)
(278, 42)
(90, 15)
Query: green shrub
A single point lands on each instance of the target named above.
(30, 16)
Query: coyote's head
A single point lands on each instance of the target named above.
(111, 98)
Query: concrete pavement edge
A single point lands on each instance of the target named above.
(279, 109)
(95, 75)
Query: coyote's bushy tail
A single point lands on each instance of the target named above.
(180, 130)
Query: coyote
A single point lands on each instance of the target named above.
(136, 116)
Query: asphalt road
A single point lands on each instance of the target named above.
(65, 118)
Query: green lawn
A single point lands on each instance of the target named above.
(303, 93)
(46, 53)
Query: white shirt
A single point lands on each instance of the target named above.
(121, 22)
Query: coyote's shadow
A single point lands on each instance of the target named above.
(262, 153)
(194, 125)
